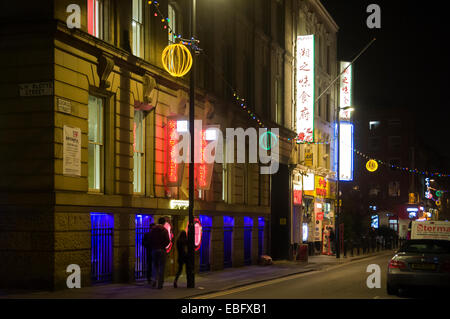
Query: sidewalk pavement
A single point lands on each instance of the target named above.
(205, 283)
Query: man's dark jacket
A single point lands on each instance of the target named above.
(158, 238)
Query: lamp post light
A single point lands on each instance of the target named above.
(190, 269)
(338, 207)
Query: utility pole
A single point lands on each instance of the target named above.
(190, 269)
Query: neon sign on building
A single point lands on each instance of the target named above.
(305, 88)
(345, 90)
(346, 152)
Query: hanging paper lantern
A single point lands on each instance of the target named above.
(177, 60)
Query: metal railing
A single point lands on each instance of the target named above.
(101, 247)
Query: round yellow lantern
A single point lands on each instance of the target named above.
(372, 166)
(177, 59)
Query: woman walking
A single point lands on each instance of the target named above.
(182, 246)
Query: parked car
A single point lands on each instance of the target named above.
(420, 263)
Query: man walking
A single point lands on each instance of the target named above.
(159, 240)
(146, 244)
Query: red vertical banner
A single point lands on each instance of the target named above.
(91, 16)
(173, 170)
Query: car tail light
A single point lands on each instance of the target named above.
(397, 264)
(446, 267)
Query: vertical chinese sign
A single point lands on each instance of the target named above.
(305, 88)
(345, 90)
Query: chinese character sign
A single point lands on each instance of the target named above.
(305, 88)
(345, 90)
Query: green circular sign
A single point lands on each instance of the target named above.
(264, 141)
(439, 193)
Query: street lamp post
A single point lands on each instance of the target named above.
(190, 271)
(338, 207)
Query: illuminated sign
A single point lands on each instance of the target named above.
(413, 215)
(197, 233)
(305, 88)
(204, 169)
(297, 194)
(308, 182)
(169, 229)
(412, 209)
(305, 232)
(172, 168)
(371, 166)
(322, 187)
(345, 90)
(179, 204)
(346, 152)
(374, 223)
(427, 192)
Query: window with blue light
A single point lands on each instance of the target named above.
(261, 224)
(248, 227)
(228, 224)
(206, 222)
(102, 227)
(142, 223)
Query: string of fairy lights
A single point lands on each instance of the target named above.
(243, 104)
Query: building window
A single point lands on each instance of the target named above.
(279, 114)
(172, 23)
(327, 114)
(394, 189)
(373, 125)
(137, 27)
(374, 143)
(374, 190)
(139, 152)
(95, 14)
(95, 148)
(393, 224)
(395, 142)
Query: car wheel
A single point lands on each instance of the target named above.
(391, 290)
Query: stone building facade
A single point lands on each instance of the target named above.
(104, 84)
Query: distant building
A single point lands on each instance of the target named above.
(393, 192)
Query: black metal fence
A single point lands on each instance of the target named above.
(102, 230)
(367, 245)
(141, 261)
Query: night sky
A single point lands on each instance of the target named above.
(407, 66)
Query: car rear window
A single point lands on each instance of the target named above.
(426, 247)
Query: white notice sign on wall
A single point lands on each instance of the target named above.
(72, 151)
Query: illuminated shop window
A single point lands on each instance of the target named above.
(95, 147)
(139, 152)
(137, 27)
